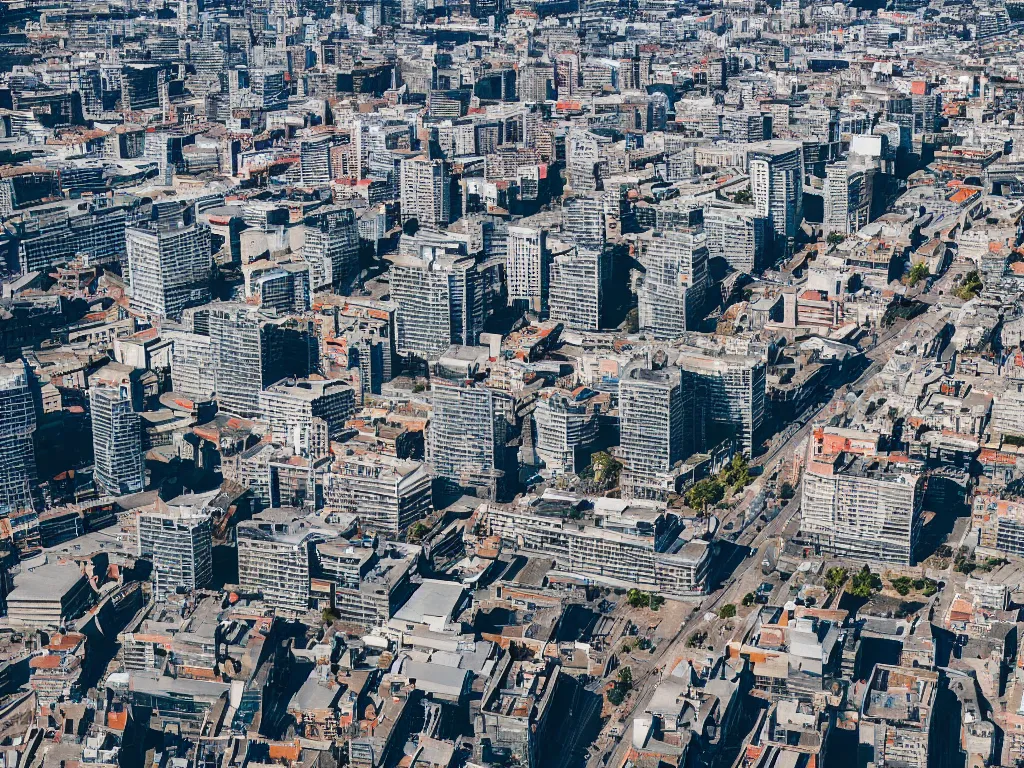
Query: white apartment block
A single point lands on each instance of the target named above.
(291, 405)
(168, 267)
(526, 268)
(426, 192)
(563, 427)
(576, 288)
(388, 494)
(177, 538)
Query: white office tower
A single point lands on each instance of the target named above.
(576, 287)
(17, 425)
(584, 220)
(466, 438)
(847, 198)
(582, 155)
(236, 344)
(439, 301)
(116, 440)
(652, 429)
(777, 184)
(426, 192)
(291, 405)
(564, 427)
(177, 539)
(331, 248)
(315, 160)
(730, 390)
(169, 267)
(158, 147)
(526, 269)
(739, 236)
(672, 297)
(192, 371)
(387, 493)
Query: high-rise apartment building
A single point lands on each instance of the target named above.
(777, 184)
(331, 247)
(858, 502)
(654, 434)
(576, 287)
(251, 350)
(466, 437)
(18, 481)
(426, 191)
(847, 198)
(675, 287)
(564, 427)
(739, 236)
(169, 267)
(116, 440)
(527, 268)
(291, 405)
(192, 371)
(388, 494)
(176, 537)
(275, 552)
(730, 391)
(439, 298)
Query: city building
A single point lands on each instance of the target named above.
(655, 428)
(116, 440)
(466, 437)
(18, 480)
(169, 266)
(176, 537)
(859, 502)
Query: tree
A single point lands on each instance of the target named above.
(786, 491)
(903, 585)
(632, 321)
(418, 531)
(328, 616)
(970, 287)
(705, 493)
(748, 599)
(727, 611)
(625, 678)
(411, 226)
(918, 272)
(743, 196)
(696, 639)
(864, 583)
(736, 474)
(638, 599)
(615, 696)
(834, 579)
(835, 238)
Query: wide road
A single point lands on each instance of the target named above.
(748, 541)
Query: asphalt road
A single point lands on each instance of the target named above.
(749, 539)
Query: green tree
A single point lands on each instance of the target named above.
(970, 287)
(835, 578)
(918, 272)
(418, 531)
(633, 320)
(835, 238)
(903, 585)
(865, 583)
(786, 491)
(748, 599)
(705, 493)
(743, 196)
(625, 678)
(638, 599)
(727, 611)
(615, 696)
(328, 616)
(696, 639)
